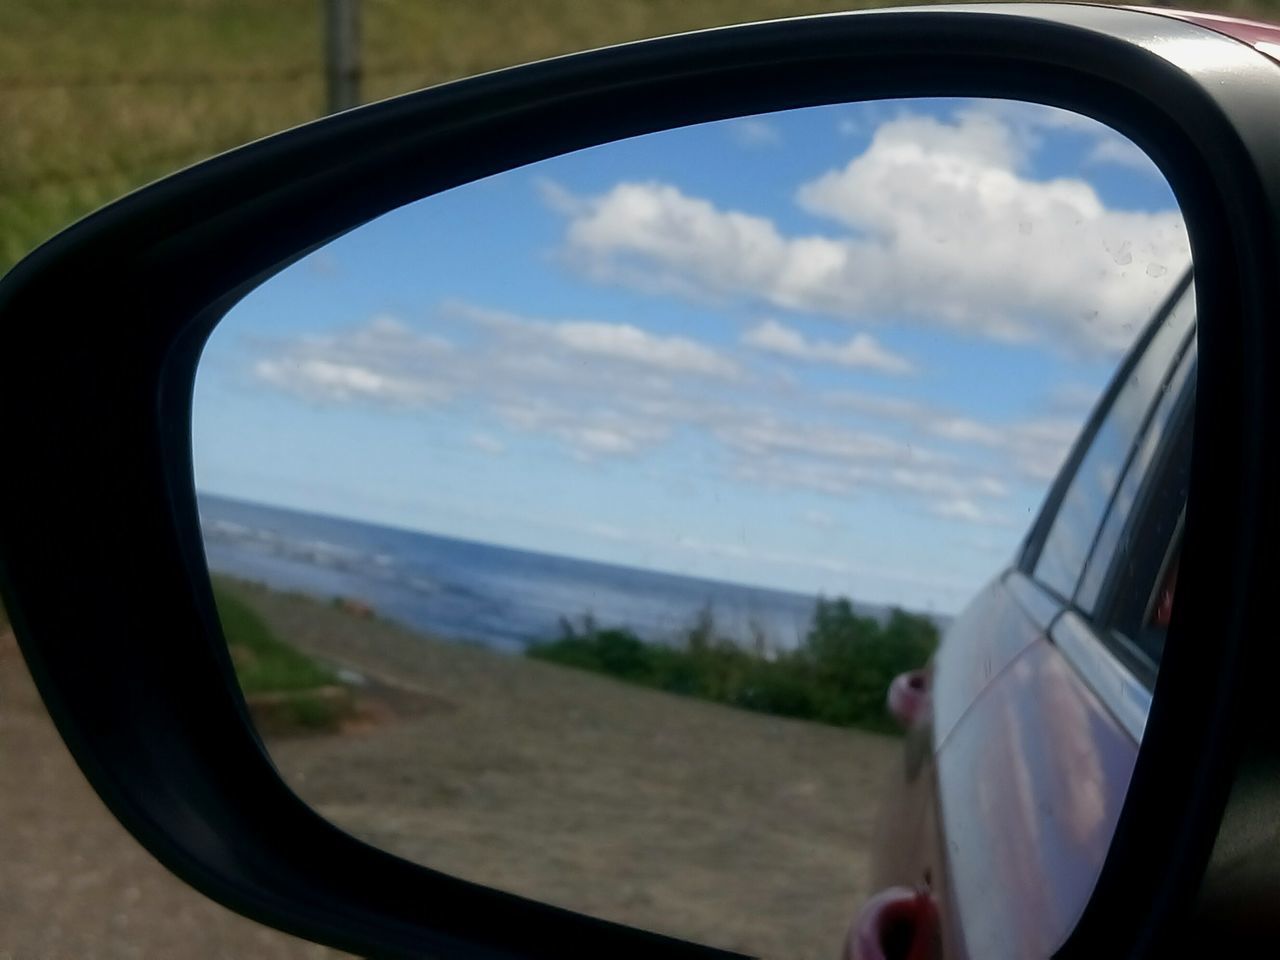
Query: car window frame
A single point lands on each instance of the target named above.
(1033, 544)
(1155, 556)
(1112, 665)
(1091, 495)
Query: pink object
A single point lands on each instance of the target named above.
(897, 922)
(908, 697)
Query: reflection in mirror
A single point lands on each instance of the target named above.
(569, 528)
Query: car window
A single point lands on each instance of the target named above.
(1147, 504)
(1085, 502)
(1135, 605)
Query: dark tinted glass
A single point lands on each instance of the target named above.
(1152, 471)
(1079, 516)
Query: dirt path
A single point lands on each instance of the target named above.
(731, 828)
(73, 884)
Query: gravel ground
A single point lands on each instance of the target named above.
(731, 828)
(735, 829)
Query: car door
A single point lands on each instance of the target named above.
(1040, 689)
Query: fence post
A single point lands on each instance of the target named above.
(342, 53)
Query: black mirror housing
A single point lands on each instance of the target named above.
(101, 330)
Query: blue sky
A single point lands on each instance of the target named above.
(840, 349)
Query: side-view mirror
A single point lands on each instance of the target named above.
(536, 516)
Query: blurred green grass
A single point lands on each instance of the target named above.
(287, 691)
(264, 662)
(100, 96)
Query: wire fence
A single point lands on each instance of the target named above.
(79, 132)
(293, 74)
(178, 80)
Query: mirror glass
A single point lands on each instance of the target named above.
(569, 528)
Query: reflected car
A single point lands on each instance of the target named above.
(1022, 733)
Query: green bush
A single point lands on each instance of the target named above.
(854, 658)
(839, 674)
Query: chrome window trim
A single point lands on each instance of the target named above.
(1098, 574)
(1033, 543)
(1125, 696)
(1178, 324)
(1037, 601)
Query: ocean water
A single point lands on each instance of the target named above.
(480, 593)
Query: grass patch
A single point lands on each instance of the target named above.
(314, 713)
(265, 663)
(286, 691)
(317, 710)
(96, 99)
(838, 675)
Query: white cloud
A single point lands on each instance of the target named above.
(1034, 446)
(654, 236)
(342, 380)
(863, 119)
(1105, 146)
(851, 479)
(559, 199)
(377, 363)
(860, 351)
(940, 228)
(609, 391)
(1028, 121)
(625, 342)
(967, 510)
(587, 430)
(617, 341)
(601, 389)
(608, 531)
(762, 435)
(849, 127)
(754, 132)
(597, 439)
(487, 443)
(1119, 152)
